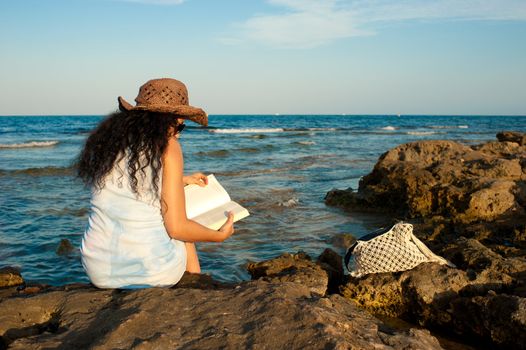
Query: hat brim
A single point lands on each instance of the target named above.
(194, 114)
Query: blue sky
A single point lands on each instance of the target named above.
(266, 56)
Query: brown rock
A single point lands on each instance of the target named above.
(200, 281)
(342, 240)
(342, 198)
(501, 318)
(10, 276)
(380, 294)
(332, 263)
(451, 190)
(489, 203)
(442, 178)
(321, 277)
(65, 247)
(520, 193)
(450, 299)
(512, 136)
(296, 268)
(496, 168)
(255, 314)
(471, 254)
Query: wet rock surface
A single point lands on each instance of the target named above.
(467, 203)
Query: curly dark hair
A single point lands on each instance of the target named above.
(144, 135)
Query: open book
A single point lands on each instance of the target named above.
(210, 205)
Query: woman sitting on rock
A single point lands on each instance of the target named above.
(138, 234)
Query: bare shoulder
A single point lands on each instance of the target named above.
(173, 156)
(173, 149)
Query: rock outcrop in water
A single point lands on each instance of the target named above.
(287, 312)
(65, 247)
(468, 203)
(444, 178)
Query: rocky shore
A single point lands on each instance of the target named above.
(287, 307)
(467, 203)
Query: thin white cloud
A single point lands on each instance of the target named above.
(311, 23)
(156, 2)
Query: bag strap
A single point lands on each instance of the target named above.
(376, 233)
(428, 253)
(349, 254)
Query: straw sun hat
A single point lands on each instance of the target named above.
(165, 96)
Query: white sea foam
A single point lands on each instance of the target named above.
(307, 143)
(246, 131)
(289, 203)
(322, 129)
(418, 133)
(389, 127)
(268, 130)
(32, 144)
(449, 127)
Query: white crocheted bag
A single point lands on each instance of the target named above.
(392, 250)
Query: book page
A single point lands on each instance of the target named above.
(216, 217)
(199, 199)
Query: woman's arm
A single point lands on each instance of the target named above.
(173, 207)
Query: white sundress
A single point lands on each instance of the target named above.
(126, 244)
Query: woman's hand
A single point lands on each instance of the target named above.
(228, 227)
(196, 179)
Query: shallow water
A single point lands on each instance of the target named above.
(279, 167)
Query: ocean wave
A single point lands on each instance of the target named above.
(305, 143)
(296, 164)
(31, 144)
(6, 129)
(292, 202)
(315, 129)
(246, 131)
(389, 127)
(277, 200)
(420, 133)
(448, 127)
(269, 130)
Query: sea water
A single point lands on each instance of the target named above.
(279, 167)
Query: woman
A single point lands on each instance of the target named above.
(138, 234)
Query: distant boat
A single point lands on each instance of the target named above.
(399, 115)
(276, 113)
